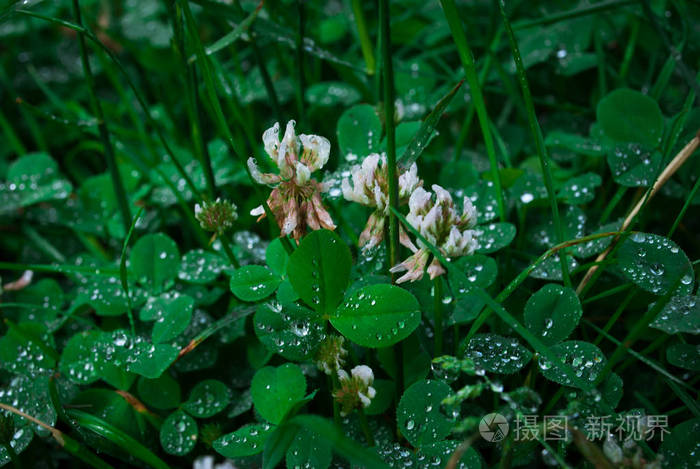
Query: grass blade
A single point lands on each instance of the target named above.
(465, 55)
(419, 141)
(536, 132)
(120, 192)
(388, 98)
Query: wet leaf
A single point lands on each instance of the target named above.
(154, 259)
(276, 390)
(359, 132)
(200, 266)
(552, 313)
(319, 270)
(309, 450)
(421, 415)
(246, 441)
(253, 282)
(377, 315)
(207, 398)
(178, 434)
(288, 329)
(585, 358)
(629, 116)
(497, 354)
(655, 264)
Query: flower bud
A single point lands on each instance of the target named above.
(217, 216)
(331, 354)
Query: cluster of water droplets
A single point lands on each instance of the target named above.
(653, 262)
(634, 165)
(200, 266)
(497, 354)
(681, 314)
(178, 434)
(208, 398)
(585, 359)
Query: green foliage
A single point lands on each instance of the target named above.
(133, 337)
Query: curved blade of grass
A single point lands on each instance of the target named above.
(536, 132)
(354, 452)
(66, 442)
(465, 54)
(123, 273)
(233, 35)
(418, 142)
(520, 278)
(213, 328)
(115, 175)
(62, 269)
(650, 363)
(118, 437)
(574, 13)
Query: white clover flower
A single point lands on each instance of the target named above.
(295, 200)
(370, 187)
(355, 388)
(440, 224)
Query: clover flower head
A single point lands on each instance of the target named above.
(370, 187)
(217, 216)
(331, 354)
(355, 388)
(438, 221)
(295, 200)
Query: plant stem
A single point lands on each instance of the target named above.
(120, 193)
(365, 427)
(537, 137)
(467, 58)
(388, 97)
(437, 297)
(227, 249)
(300, 62)
(365, 43)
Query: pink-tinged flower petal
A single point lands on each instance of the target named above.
(291, 218)
(316, 151)
(373, 233)
(469, 214)
(259, 177)
(22, 282)
(323, 216)
(405, 240)
(435, 269)
(312, 220)
(413, 265)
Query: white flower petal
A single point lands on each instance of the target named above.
(271, 140)
(364, 373)
(302, 173)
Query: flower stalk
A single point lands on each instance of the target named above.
(388, 75)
